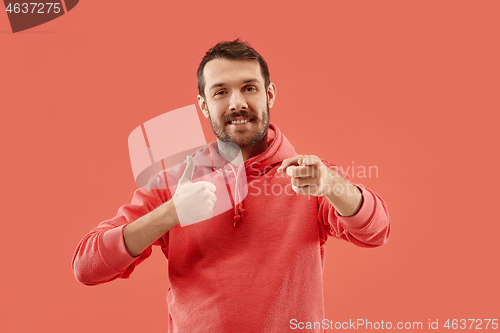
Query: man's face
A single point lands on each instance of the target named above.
(236, 101)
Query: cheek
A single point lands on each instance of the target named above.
(214, 110)
(261, 105)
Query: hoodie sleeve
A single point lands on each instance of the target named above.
(101, 256)
(369, 227)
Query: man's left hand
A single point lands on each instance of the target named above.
(309, 175)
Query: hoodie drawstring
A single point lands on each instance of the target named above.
(238, 208)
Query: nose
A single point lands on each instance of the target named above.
(237, 102)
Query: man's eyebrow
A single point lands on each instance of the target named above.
(250, 81)
(221, 84)
(216, 85)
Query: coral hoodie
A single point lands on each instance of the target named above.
(257, 265)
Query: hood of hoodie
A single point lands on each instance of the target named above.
(231, 179)
(279, 148)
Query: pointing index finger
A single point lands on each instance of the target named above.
(287, 162)
(299, 160)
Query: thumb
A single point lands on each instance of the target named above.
(187, 176)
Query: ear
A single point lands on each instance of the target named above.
(203, 106)
(271, 94)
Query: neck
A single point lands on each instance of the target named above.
(256, 149)
(237, 155)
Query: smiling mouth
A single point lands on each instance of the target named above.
(239, 120)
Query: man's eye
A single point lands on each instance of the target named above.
(220, 92)
(250, 88)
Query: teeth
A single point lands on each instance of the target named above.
(239, 121)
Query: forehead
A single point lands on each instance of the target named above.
(224, 71)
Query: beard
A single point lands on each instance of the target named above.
(221, 133)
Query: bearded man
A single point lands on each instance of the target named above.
(245, 243)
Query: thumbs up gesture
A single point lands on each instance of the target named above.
(194, 202)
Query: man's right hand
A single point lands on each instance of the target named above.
(191, 203)
(194, 202)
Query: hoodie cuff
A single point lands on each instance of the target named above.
(113, 249)
(363, 215)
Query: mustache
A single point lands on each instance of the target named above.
(242, 113)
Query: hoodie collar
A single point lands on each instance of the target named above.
(279, 148)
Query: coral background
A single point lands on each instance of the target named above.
(408, 87)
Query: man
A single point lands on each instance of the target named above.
(254, 267)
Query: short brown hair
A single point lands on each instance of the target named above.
(232, 50)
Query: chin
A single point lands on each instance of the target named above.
(248, 141)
